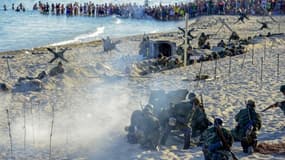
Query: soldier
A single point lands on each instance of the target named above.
(218, 141)
(57, 70)
(207, 46)
(144, 128)
(179, 118)
(221, 44)
(234, 36)
(281, 105)
(202, 40)
(248, 123)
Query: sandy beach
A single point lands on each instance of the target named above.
(94, 98)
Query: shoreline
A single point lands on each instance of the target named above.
(92, 43)
(98, 41)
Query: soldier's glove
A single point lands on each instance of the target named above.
(172, 121)
(215, 146)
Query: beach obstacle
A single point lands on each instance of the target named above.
(7, 62)
(108, 45)
(57, 55)
(10, 135)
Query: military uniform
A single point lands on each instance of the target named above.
(199, 122)
(213, 147)
(57, 70)
(221, 44)
(187, 114)
(234, 36)
(202, 40)
(144, 129)
(248, 123)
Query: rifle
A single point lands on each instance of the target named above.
(225, 144)
(271, 106)
(202, 102)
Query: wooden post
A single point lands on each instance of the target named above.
(25, 129)
(7, 62)
(243, 60)
(33, 128)
(186, 39)
(216, 62)
(51, 130)
(264, 50)
(278, 66)
(252, 54)
(230, 65)
(10, 135)
(261, 70)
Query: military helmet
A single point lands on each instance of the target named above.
(282, 88)
(250, 103)
(148, 108)
(218, 121)
(191, 95)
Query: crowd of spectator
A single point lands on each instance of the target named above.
(162, 12)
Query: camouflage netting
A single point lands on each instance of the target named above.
(271, 148)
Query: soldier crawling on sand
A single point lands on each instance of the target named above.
(57, 70)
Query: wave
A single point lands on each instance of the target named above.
(83, 38)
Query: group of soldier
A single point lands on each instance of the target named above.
(151, 130)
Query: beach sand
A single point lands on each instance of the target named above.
(94, 98)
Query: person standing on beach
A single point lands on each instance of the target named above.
(248, 123)
(281, 105)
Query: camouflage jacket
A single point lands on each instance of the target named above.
(211, 137)
(182, 112)
(199, 120)
(245, 115)
(150, 123)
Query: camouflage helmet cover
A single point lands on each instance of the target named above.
(250, 103)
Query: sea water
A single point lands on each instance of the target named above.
(24, 30)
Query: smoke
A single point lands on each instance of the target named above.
(84, 119)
